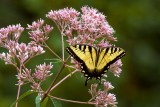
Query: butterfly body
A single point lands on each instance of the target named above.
(95, 61)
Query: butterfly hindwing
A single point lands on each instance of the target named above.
(108, 56)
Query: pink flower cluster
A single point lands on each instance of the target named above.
(115, 68)
(103, 98)
(39, 33)
(42, 71)
(10, 33)
(88, 26)
(63, 19)
(9, 39)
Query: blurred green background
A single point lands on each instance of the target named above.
(137, 25)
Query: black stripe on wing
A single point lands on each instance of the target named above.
(114, 60)
(72, 53)
(84, 68)
(83, 65)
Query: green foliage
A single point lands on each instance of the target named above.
(44, 103)
(38, 101)
(22, 96)
(56, 103)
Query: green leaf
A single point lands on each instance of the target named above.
(44, 103)
(38, 101)
(22, 96)
(56, 103)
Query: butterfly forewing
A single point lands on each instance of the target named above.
(85, 55)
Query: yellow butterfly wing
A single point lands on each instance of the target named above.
(86, 55)
(108, 56)
(95, 61)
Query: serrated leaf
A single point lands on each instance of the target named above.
(22, 96)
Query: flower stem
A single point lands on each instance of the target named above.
(80, 102)
(18, 93)
(62, 47)
(19, 84)
(51, 50)
(53, 82)
(63, 79)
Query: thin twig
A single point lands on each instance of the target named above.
(80, 102)
(53, 82)
(18, 93)
(62, 41)
(29, 59)
(92, 98)
(68, 58)
(70, 66)
(19, 84)
(52, 50)
(63, 79)
(16, 67)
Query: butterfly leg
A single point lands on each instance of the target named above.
(86, 82)
(88, 78)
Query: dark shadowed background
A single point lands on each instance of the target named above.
(137, 25)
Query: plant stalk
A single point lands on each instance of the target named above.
(53, 82)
